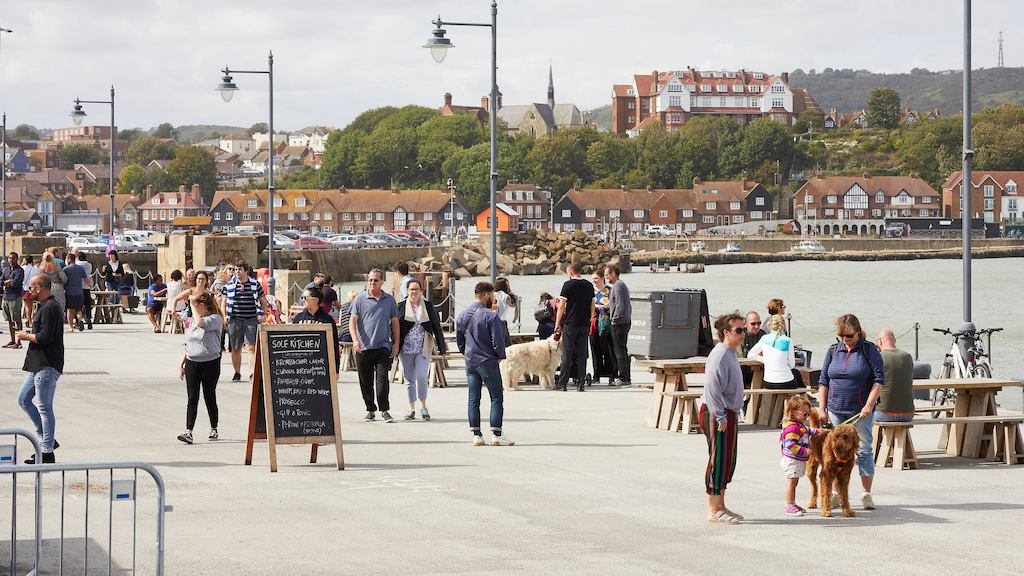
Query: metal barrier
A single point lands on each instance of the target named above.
(120, 491)
(9, 457)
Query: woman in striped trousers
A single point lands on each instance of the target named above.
(723, 400)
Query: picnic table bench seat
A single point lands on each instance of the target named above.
(1000, 440)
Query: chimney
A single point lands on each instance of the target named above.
(743, 183)
(654, 82)
(181, 189)
(149, 191)
(197, 195)
(935, 111)
(913, 175)
(696, 180)
(832, 112)
(394, 191)
(484, 103)
(817, 174)
(447, 99)
(650, 188)
(343, 191)
(867, 176)
(785, 77)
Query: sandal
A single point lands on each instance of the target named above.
(733, 514)
(722, 517)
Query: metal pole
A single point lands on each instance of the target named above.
(3, 217)
(917, 342)
(494, 141)
(966, 187)
(112, 135)
(270, 184)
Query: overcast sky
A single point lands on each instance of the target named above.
(337, 58)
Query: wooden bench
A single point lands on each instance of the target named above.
(170, 322)
(770, 410)
(1001, 439)
(682, 414)
(107, 314)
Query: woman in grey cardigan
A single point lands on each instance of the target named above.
(201, 365)
(723, 400)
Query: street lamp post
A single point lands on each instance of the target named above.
(77, 115)
(966, 187)
(439, 46)
(227, 90)
(451, 211)
(3, 216)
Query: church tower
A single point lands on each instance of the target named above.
(551, 89)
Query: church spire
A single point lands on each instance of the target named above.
(551, 89)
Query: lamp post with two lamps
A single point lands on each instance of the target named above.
(439, 46)
(77, 115)
(227, 89)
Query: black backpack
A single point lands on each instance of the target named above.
(543, 312)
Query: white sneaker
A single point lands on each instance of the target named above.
(478, 440)
(867, 501)
(501, 441)
(213, 434)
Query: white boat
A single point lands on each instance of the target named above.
(808, 246)
(698, 246)
(731, 247)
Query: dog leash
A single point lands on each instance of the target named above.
(851, 419)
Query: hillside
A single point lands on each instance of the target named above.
(919, 89)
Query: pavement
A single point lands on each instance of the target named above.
(588, 488)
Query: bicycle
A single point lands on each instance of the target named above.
(966, 358)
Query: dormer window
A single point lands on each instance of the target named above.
(1011, 187)
(251, 203)
(156, 200)
(300, 202)
(675, 87)
(172, 200)
(758, 76)
(705, 87)
(277, 203)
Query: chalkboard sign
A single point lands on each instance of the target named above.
(295, 392)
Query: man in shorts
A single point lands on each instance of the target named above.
(74, 297)
(244, 303)
(13, 280)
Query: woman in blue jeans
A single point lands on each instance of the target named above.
(480, 338)
(852, 377)
(419, 327)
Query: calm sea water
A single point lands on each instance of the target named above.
(881, 294)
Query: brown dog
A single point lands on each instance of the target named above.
(836, 454)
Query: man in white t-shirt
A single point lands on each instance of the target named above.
(86, 287)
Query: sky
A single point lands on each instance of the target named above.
(335, 59)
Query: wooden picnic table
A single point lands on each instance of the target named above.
(102, 311)
(974, 397)
(670, 376)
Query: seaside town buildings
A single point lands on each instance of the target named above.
(861, 204)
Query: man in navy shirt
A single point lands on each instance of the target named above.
(481, 340)
(13, 279)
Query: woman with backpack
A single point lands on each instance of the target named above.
(544, 314)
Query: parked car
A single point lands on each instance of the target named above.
(731, 247)
(372, 241)
(660, 230)
(134, 243)
(282, 241)
(346, 241)
(311, 243)
(293, 234)
(86, 243)
(412, 237)
(61, 234)
(808, 246)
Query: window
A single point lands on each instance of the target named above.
(926, 200)
(325, 229)
(808, 199)
(831, 199)
(675, 87)
(614, 213)
(990, 204)
(723, 101)
(662, 213)
(369, 216)
(1011, 187)
(740, 101)
(1011, 205)
(291, 215)
(812, 212)
(705, 87)
(328, 216)
(277, 202)
(675, 118)
(687, 213)
(693, 101)
(566, 213)
(630, 105)
(923, 212)
(755, 214)
(172, 200)
(276, 214)
(738, 88)
(251, 203)
(675, 101)
(876, 213)
(631, 119)
(591, 213)
(755, 102)
(246, 216)
(316, 215)
(216, 215)
(689, 227)
(709, 219)
(711, 205)
(229, 216)
(734, 205)
(638, 213)
(379, 216)
(428, 216)
(156, 199)
(460, 215)
(779, 88)
(879, 197)
(588, 227)
(737, 219)
(163, 214)
(300, 202)
(758, 76)
(630, 92)
(754, 89)
(346, 216)
(777, 103)
(259, 215)
(759, 201)
(705, 101)
(181, 212)
(989, 191)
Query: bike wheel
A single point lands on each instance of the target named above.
(981, 371)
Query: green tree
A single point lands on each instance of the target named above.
(929, 147)
(998, 138)
(165, 130)
(339, 156)
(559, 160)
(658, 158)
(610, 159)
(306, 178)
(195, 166)
(71, 154)
(162, 181)
(257, 127)
(26, 132)
(765, 140)
(145, 150)
(129, 134)
(133, 178)
(385, 156)
(462, 130)
(884, 108)
(809, 120)
(470, 169)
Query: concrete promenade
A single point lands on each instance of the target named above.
(588, 489)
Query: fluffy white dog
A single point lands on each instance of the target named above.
(539, 357)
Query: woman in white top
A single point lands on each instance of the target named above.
(775, 350)
(504, 305)
(174, 288)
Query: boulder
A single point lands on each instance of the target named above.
(462, 273)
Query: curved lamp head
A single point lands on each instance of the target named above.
(439, 45)
(227, 88)
(77, 115)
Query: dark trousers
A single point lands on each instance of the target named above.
(602, 356)
(87, 305)
(574, 347)
(620, 335)
(205, 375)
(374, 367)
(478, 377)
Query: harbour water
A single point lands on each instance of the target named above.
(881, 294)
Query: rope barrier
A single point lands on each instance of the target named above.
(797, 322)
(1008, 343)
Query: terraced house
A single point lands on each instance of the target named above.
(995, 195)
(860, 204)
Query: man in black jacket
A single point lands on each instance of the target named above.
(44, 362)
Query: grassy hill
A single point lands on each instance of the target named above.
(919, 89)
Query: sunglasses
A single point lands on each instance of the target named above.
(848, 336)
(739, 330)
(755, 323)
(375, 280)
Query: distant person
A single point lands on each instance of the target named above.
(544, 314)
(57, 279)
(723, 399)
(775, 351)
(201, 284)
(313, 313)
(200, 368)
(852, 378)
(330, 300)
(504, 305)
(13, 280)
(374, 327)
(44, 362)
(74, 292)
(28, 305)
(573, 319)
(897, 397)
(345, 314)
(317, 281)
(602, 356)
(776, 306)
(244, 304)
(620, 311)
(175, 287)
(87, 284)
(479, 338)
(56, 256)
(419, 330)
(112, 272)
(156, 295)
(403, 288)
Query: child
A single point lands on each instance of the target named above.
(795, 440)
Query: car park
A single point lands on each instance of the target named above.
(85, 243)
(346, 241)
(311, 243)
(372, 241)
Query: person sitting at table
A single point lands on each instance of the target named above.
(852, 378)
(897, 399)
(775, 350)
(155, 296)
